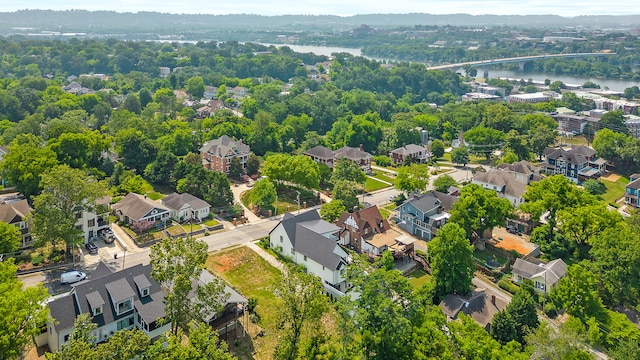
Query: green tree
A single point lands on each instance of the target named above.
(579, 224)
(551, 195)
(201, 344)
(443, 182)
(137, 151)
(541, 137)
(347, 192)
(437, 149)
(195, 87)
(160, 171)
(10, 238)
(480, 209)
(145, 97)
(235, 168)
(303, 304)
(21, 312)
(299, 169)
(522, 313)
(451, 260)
(345, 169)
(615, 121)
(263, 193)
(211, 186)
(460, 155)
(414, 177)
(67, 192)
(332, 210)
(576, 293)
(253, 164)
(132, 103)
(565, 344)
(177, 264)
(25, 163)
(594, 187)
(483, 140)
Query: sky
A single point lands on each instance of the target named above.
(340, 7)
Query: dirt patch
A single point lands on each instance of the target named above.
(610, 177)
(510, 242)
(229, 260)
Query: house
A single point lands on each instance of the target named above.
(413, 153)
(117, 301)
(123, 300)
(234, 303)
(367, 232)
(91, 222)
(217, 154)
(15, 213)
(77, 89)
(210, 92)
(324, 155)
(509, 180)
(578, 163)
(423, 214)
(211, 107)
(238, 92)
(543, 275)
(164, 71)
(138, 210)
(481, 305)
(185, 206)
(632, 191)
(313, 243)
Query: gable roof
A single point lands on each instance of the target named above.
(446, 200)
(177, 201)
(15, 211)
(575, 155)
(424, 202)
(481, 305)
(354, 154)
(224, 146)
(317, 247)
(506, 182)
(521, 167)
(635, 184)
(289, 222)
(136, 206)
(551, 272)
(366, 217)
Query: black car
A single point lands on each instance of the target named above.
(93, 248)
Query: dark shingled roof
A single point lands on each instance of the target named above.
(369, 217)
(15, 211)
(120, 290)
(320, 152)
(635, 184)
(481, 305)
(317, 247)
(424, 202)
(408, 149)
(353, 154)
(136, 206)
(289, 222)
(224, 146)
(178, 201)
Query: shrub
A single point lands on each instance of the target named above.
(550, 310)
(264, 242)
(37, 260)
(251, 304)
(382, 160)
(508, 286)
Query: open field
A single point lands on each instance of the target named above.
(419, 278)
(615, 189)
(373, 185)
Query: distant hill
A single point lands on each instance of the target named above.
(105, 22)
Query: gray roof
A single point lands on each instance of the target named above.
(94, 299)
(424, 202)
(575, 155)
(408, 149)
(225, 146)
(446, 201)
(320, 152)
(136, 206)
(552, 271)
(120, 284)
(177, 201)
(353, 154)
(320, 226)
(141, 281)
(481, 305)
(120, 290)
(522, 167)
(289, 222)
(635, 184)
(505, 182)
(317, 247)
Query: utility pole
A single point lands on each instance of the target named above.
(124, 256)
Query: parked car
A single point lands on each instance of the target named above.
(107, 235)
(71, 277)
(93, 248)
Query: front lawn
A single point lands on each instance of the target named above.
(253, 277)
(615, 189)
(384, 177)
(486, 255)
(373, 185)
(211, 222)
(418, 278)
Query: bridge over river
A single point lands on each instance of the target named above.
(521, 60)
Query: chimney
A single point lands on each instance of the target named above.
(356, 209)
(493, 299)
(404, 145)
(145, 196)
(361, 147)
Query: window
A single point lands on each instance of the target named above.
(144, 292)
(125, 323)
(97, 310)
(124, 306)
(92, 223)
(305, 258)
(540, 286)
(65, 338)
(280, 238)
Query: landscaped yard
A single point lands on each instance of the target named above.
(418, 278)
(485, 255)
(380, 175)
(373, 185)
(211, 222)
(253, 277)
(615, 189)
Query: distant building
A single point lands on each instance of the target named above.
(509, 180)
(473, 96)
(217, 154)
(632, 191)
(578, 164)
(531, 98)
(324, 155)
(164, 71)
(413, 153)
(15, 213)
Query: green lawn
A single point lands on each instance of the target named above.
(253, 277)
(175, 230)
(212, 222)
(155, 195)
(383, 176)
(419, 278)
(615, 190)
(373, 185)
(484, 255)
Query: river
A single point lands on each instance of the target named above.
(612, 84)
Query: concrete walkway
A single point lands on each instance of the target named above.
(268, 257)
(237, 192)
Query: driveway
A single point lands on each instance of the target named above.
(237, 190)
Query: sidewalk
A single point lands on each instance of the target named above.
(237, 192)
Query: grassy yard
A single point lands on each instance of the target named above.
(154, 195)
(484, 255)
(615, 190)
(419, 278)
(211, 222)
(253, 277)
(176, 230)
(384, 177)
(373, 185)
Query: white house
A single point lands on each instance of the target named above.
(90, 222)
(186, 206)
(135, 209)
(543, 275)
(313, 243)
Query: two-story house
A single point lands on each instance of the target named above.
(185, 206)
(423, 214)
(577, 164)
(509, 180)
(544, 276)
(91, 222)
(15, 213)
(324, 155)
(313, 243)
(632, 191)
(367, 232)
(217, 154)
(411, 152)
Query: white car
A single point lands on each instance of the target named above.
(71, 277)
